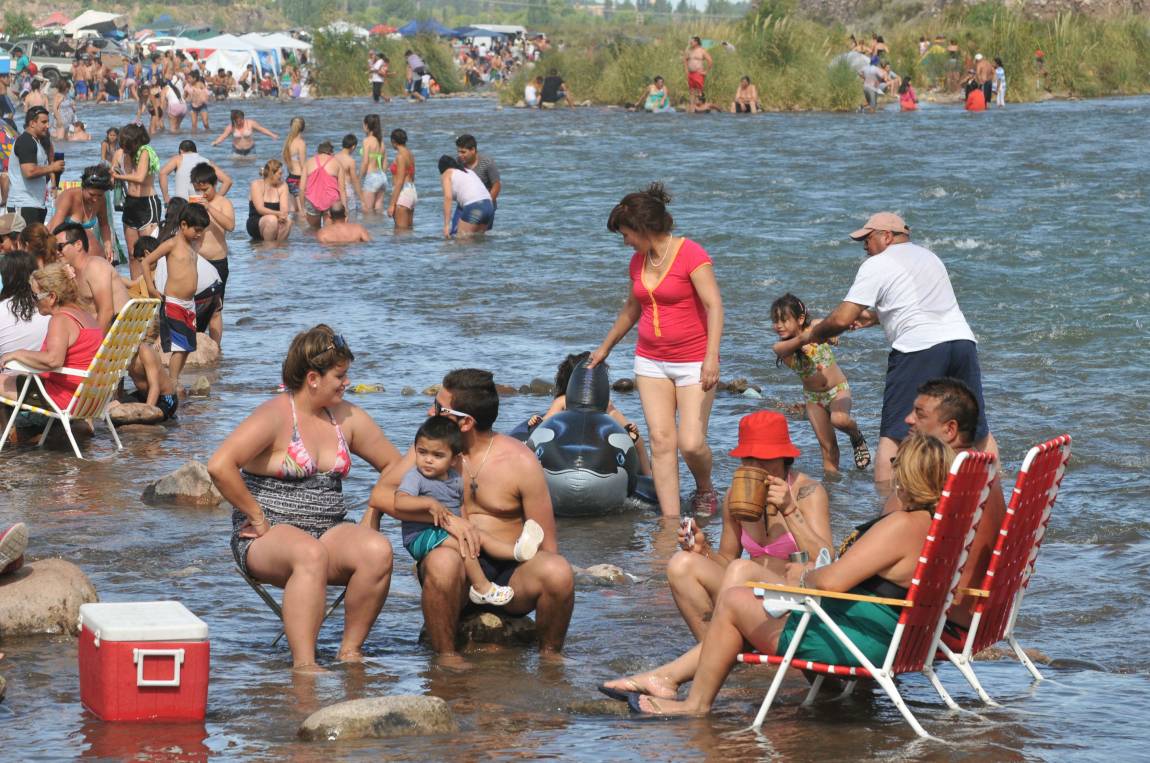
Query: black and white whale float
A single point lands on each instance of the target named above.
(591, 463)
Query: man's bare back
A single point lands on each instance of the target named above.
(342, 233)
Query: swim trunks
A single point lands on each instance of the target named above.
(221, 266)
(142, 212)
(425, 542)
(374, 181)
(695, 80)
(178, 325)
(293, 184)
(906, 371)
(407, 196)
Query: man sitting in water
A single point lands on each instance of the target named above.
(504, 486)
(339, 230)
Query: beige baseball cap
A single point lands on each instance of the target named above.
(12, 222)
(881, 221)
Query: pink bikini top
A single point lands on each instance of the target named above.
(298, 463)
(780, 548)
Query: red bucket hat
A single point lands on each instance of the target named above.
(764, 434)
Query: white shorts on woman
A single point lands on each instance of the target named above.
(683, 374)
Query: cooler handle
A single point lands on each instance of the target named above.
(138, 656)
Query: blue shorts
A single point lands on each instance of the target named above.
(907, 371)
(478, 213)
(81, 87)
(426, 542)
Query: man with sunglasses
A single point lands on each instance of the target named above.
(100, 288)
(504, 486)
(907, 289)
(29, 168)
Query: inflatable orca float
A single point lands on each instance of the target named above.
(591, 464)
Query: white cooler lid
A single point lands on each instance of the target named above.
(143, 621)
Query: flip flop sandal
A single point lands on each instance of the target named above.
(498, 596)
(528, 544)
(621, 694)
(861, 453)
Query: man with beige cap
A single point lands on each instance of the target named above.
(906, 288)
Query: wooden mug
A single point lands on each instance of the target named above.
(747, 497)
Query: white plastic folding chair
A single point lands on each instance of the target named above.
(1011, 566)
(923, 615)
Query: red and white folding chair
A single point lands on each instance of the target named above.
(1012, 564)
(919, 628)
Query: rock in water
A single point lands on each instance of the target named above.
(135, 413)
(505, 390)
(601, 575)
(738, 386)
(190, 485)
(432, 391)
(540, 387)
(379, 717)
(207, 353)
(408, 391)
(624, 385)
(201, 387)
(3, 687)
(43, 597)
(490, 628)
(752, 392)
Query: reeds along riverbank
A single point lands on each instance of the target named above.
(342, 66)
(789, 58)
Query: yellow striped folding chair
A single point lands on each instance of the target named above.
(100, 379)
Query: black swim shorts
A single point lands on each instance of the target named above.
(907, 371)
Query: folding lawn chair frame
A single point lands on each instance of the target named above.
(275, 606)
(920, 625)
(1012, 564)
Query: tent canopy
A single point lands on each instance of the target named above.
(426, 26)
(276, 40)
(56, 19)
(382, 29)
(474, 31)
(229, 42)
(342, 27)
(97, 20)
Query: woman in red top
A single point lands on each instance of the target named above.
(674, 298)
(73, 337)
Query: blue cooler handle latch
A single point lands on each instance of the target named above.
(138, 656)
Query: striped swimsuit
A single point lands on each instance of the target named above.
(299, 494)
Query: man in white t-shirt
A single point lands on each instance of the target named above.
(906, 288)
(378, 71)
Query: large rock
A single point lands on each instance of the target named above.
(43, 597)
(603, 575)
(537, 387)
(624, 385)
(490, 628)
(201, 387)
(190, 485)
(379, 717)
(135, 413)
(207, 353)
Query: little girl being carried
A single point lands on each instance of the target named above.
(434, 486)
(825, 388)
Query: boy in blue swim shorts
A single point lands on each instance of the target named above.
(433, 486)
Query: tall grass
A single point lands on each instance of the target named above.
(342, 63)
(790, 58)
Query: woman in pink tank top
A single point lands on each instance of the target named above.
(73, 338)
(797, 518)
(675, 299)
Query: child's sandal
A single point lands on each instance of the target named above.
(496, 596)
(861, 453)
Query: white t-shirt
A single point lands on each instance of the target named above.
(910, 290)
(377, 70)
(530, 94)
(183, 184)
(206, 275)
(467, 188)
(16, 334)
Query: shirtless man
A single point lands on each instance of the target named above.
(35, 96)
(947, 409)
(346, 159)
(984, 75)
(214, 244)
(698, 64)
(339, 230)
(504, 486)
(198, 97)
(102, 291)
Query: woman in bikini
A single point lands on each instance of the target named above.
(87, 206)
(403, 195)
(241, 129)
(371, 166)
(797, 518)
(137, 165)
(268, 205)
(294, 158)
(283, 470)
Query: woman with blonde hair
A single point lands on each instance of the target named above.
(268, 205)
(295, 157)
(282, 469)
(74, 335)
(878, 559)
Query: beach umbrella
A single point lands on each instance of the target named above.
(382, 29)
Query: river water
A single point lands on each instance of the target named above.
(1038, 211)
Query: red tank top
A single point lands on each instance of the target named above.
(673, 326)
(61, 387)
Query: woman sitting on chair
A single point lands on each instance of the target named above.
(282, 469)
(73, 337)
(877, 560)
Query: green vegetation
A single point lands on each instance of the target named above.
(342, 63)
(790, 58)
(17, 25)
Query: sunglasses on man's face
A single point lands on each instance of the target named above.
(442, 410)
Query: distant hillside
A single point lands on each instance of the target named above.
(853, 11)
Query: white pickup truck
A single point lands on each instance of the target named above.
(49, 64)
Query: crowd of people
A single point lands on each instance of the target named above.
(473, 504)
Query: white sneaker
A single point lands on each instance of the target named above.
(529, 540)
(13, 543)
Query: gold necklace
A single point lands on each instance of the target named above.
(475, 475)
(666, 249)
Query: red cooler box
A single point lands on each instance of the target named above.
(143, 661)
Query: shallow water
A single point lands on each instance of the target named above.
(1039, 213)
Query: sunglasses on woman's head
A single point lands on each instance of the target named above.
(337, 343)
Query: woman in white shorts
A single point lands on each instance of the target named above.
(403, 195)
(675, 299)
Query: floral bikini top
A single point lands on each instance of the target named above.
(298, 463)
(811, 358)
